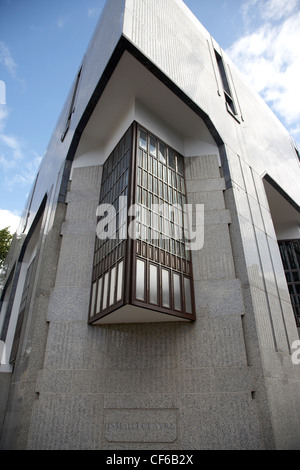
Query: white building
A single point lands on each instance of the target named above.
(142, 344)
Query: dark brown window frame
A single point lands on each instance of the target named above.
(152, 255)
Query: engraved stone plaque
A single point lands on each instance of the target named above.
(140, 425)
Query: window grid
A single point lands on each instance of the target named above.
(114, 185)
(160, 182)
(290, 255)
(108, 267)
(153, 271)
(160, 233)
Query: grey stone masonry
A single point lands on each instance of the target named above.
(172, 385)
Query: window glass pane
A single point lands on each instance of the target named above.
(177, 291)
(152, 145)
(99, 296)
(153, 284)
(150, 182)
(165, 281)
(139, 176)
(140, 157)
(143, 139)
(105, 291)
(112, 285)
(93, 299)
(180, 165)
(120, 281)
(165, 173)
(154, 166)
(162, 152)
(188, 295)
(145, 179)
(172, 159)
(140, 279)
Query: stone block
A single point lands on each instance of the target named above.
(268, 222)
(233, 379)
(212, 200)
(141, 380)
(202, 167)
(263, 318)
(260, 190)
(85, 178)
(88, 381)
(66, 422)
(278, 323)
(218, 422)
(71, 346)
(82, 210)
(252, 258)
(82, 227)
(54, 381)
(69, 303)
(213, 341)
(235, 168)
(284, 413)
(215, 217)
(195, 380)
(76, 259)
(228, 301)
(248, 178)
(215, 258)
(241, 201)
(266, 262)
(213, 184)
(83, 197)
(256, 213)
(140, 401)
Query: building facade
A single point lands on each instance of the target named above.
(151, 295)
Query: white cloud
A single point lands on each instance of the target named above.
(9, 219)
(269, 56)
(94, 12)
(61, 22)
(277, 9)
(2, 93)
(25, 176)
(14, 146)
(7, 60)
(3, 116)
(19, 165)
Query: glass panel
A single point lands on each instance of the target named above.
(180, 165)
(188, 295)
(165, 281)
(152, 145)
(99, 296)
(105, 291)
(140, 157)
(177, 291)
(93, 299)
(162, 152)
(143, 139)
(172, 159)
(140, 280)
(112, 285)
(120, 282)
(153, 284)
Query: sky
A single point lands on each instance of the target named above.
(42, 43)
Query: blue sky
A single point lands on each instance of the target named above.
(42, 43)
